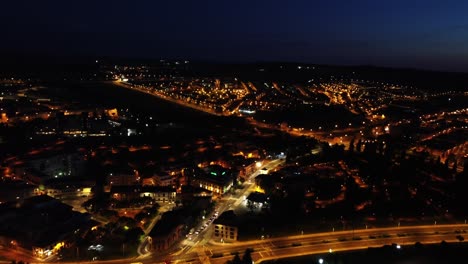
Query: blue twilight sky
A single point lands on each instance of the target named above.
(398, 33)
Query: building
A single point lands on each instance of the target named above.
(59, 165)
(125, 192)
(213, 178)
(168, 230)
(123, 176)
(215, 184)
(164, 180)
(130, 192)
(41, 224)
(159, 193)
(225, 227)
(247, 167)
(12, 190)
(257, 198)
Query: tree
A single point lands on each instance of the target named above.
(140, 216)
(359, 146)
(250, 205)
(351, 146)
(133, 235)
(236, 259)
(247, 257)
(455, 166)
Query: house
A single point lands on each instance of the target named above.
(257, 200)
(125, 192)
(12, 190)
(217, 185)
(213, 178)
(225, 227)
(164, 180)
(52, 226)
(159, 193)
(130, 192)
(124, 175)
(168, 230)
(247, 167)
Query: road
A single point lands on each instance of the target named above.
(144, 248)
(228, 202)
(168, 98)
(307, 244)
(321, 243)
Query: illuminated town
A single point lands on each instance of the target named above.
(234, 164)
(217, 132)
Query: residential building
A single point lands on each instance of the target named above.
(225, 227)
(167, 230)
(129, 192)
(41, 224)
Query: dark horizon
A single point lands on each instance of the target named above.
(17, 61)
(419, 35)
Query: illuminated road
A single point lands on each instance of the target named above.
(322, 242)
(307, 244)
(228, 202)
(167, 98)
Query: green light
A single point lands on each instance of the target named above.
(213, 173)
(223, 173)
(126, 227)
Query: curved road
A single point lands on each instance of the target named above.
(322, 242)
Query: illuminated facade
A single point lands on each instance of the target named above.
(129, 192)
(47, 251)
(215, 185)
(225, 228)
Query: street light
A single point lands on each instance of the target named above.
(320, 261)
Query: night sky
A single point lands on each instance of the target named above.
(398, 33)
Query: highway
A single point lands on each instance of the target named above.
(321, 243)
(167, 98)
(307, 244)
